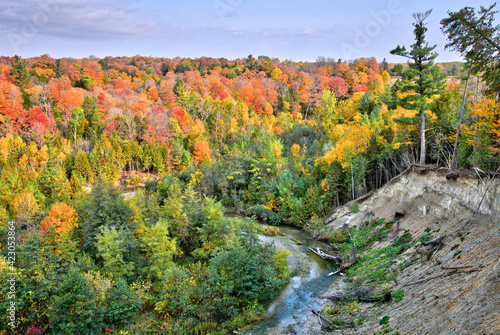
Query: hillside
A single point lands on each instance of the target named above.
(449, 289)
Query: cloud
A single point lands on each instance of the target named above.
(75, 19)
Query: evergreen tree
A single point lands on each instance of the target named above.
(75, 310)
(82, 166)
(420, 82)
(123, 304)
(59, 71)
(21, 74)
(478, 41)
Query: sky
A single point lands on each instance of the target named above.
(298, 30)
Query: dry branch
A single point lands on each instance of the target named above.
(324, 255)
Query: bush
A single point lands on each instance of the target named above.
(398, 295)
(384, 320)
(244, 274)
(338, 236)
(355, 207)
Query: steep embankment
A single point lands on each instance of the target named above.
(451, 288)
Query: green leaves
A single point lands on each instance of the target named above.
(111, 247)
(476, 38)
(75, 311)
(123, 304)
(419, 80)
(243, 274)
(158, 247)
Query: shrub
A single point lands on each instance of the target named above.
(243, 274)
(384, 320)
(398, 295)
(355, 207)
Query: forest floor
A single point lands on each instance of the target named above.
(453, 288)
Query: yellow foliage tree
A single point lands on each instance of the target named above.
(351, 141)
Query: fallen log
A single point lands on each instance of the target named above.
(386, 298)
(315, 312)
(333, 273)
(324, 255)
(329, 324)
(434, 243)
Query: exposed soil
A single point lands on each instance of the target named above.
(453, 289)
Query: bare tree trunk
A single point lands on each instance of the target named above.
(352, 178)
(475, 119)
(460, 120)
(422, 136)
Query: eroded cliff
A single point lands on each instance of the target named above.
(451, 288)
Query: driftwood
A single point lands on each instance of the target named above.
(434, 243)
(329, 324)
(324, 255)
(333, 273)
(315, 312)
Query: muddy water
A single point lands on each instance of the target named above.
(307, 286)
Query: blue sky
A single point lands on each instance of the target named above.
(293, 29)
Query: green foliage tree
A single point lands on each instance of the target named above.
(111, 247)
(59, 71)
(159, 248)
(75, 310)
(475, 37)
(123, 304)
(20, 73)
(419, 83)
(244, 274)
(39, 274)
(397, 69)
(104, 206)
(82, 167)
(94, 125)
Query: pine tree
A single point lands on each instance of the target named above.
(82, 167)
(476, 38)
(420, 82)
(75, 310)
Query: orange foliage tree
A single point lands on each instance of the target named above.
(201, 151)
(62, 218)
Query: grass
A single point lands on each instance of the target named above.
(398, 295)
(375, 264)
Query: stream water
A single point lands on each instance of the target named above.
(307, 287)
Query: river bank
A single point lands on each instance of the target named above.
(309, 283)
(451, 286)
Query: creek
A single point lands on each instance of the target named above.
(307, 286)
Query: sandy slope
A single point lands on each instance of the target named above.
(457, 290)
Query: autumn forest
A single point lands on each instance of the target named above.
(116, 174)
